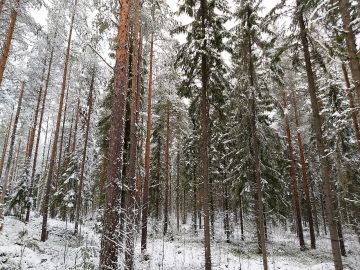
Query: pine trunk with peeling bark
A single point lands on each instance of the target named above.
(321, 147)
(109, 254)
(5, 179)
(44, 232)
(8, 40)
(82, 169)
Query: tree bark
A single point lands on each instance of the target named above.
(255, 144)
(352, 105)
(294, 184)
(350, 38)
(5, 145)
(36, 151)
(178, 191)
(166, 169)
(109, 255)
(324, 161)
(241, 218)
(31, 145)
(131, 173)
(5, 180)
(44, 231)
(204, 133)
(145, 195)
(82, 169)
(304, 171)
(9, 37)
(59, 162)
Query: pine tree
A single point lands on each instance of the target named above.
(108, 256)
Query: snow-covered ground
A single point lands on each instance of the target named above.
(20, 248)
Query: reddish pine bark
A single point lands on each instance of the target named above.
(8, 40)
(109, 255)
(131, 172)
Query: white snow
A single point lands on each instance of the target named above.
(183, 251)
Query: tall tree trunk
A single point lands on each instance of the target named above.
(31, 145)
(350, 38)
(294, 184)
(166, 169)
(9, 37)
(131, 173)
(82, 169)
(40, 184)
(205, 133)
(140, 160)
(73, 145)
(304, 171)
(178, 191)
(241, 218)
(5, 179)
(59, 162)
(5, 145)
(226, 212)
(36, 151)
(352, 105)
(56, 132)
(324, 161)
(255, 144)
(145, 195)
(109, 255)
(15, 165)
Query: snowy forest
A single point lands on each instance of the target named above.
(180, 134)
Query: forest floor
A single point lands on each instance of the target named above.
(20, 248)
